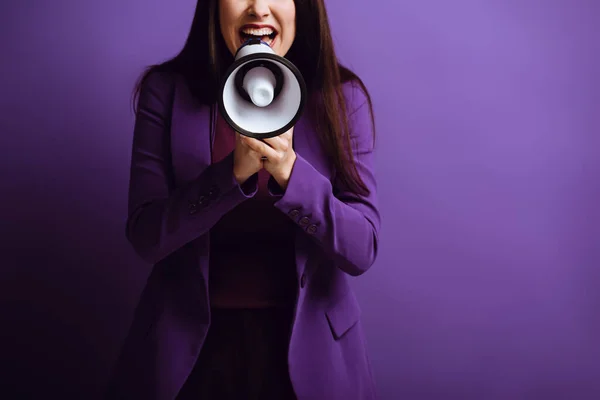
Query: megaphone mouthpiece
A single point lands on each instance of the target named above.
(259, 83)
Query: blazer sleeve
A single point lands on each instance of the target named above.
(344, 224)
(162, 218)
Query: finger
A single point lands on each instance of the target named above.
(289, 137)
(238, 139)
(258, 146)
(261, 148)
(242, 140)
(289, 134)
(278, 143)
(252, 153)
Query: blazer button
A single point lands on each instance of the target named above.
(303, 280)
(193, 209)
(304, 221)
(294, 213)
(312, 229)
(202, 201)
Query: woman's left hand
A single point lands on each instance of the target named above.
(279, 153)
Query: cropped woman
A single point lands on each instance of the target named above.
(252, 242)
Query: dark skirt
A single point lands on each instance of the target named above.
(244, 357)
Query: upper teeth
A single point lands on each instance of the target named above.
(258, 32)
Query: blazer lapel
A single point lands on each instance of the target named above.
(191, 127)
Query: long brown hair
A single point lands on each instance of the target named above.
(205, 57)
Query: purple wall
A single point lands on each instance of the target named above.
(487, 285)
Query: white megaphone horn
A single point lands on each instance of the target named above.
(262, 94)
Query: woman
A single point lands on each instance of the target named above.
(252, 242)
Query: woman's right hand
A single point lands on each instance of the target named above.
(246, 162)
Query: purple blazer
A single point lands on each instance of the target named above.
(176, 195)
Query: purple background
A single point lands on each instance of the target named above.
(488, 281)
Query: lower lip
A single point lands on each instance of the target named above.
(244, 40)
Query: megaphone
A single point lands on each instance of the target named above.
(262, 94)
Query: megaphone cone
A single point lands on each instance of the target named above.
(262, 94)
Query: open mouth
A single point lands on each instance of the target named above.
(266, 34)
